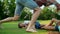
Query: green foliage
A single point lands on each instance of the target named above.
(26, 14)
(2, 15)
(7, 8)
(47, 14)
(12, 28)
(1, 7)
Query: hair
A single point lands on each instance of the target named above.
(19, 25)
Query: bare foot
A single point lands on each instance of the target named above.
(31, 30)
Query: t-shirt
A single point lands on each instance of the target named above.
(37, 24)
(26, 21)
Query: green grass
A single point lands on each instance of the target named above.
(12, 28)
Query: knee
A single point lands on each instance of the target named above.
(15, 18)
(53, 19)
(37, 9)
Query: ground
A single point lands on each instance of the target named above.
(12, 28)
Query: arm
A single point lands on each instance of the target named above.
(52, 21)
(26, 25)
(49, 28)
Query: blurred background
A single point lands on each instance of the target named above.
(7, 8)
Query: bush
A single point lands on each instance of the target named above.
(7, 9)
(47, 14)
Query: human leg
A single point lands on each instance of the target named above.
(34, 17)
(16, 15)
(32, 5)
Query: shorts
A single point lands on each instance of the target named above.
(57, 28)
(37, 25)
(20, 4)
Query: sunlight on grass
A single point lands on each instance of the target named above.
(12, 28)
(44, 21)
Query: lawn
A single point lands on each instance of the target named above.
(12, 28)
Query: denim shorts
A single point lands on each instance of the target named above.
(20, 4)
(37, 25)
(57, 28)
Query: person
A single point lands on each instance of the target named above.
(20, 4)
(52, 28)
(26, 22)
(49, 26)
(32, 4)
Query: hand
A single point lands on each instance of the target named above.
(44, 27)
